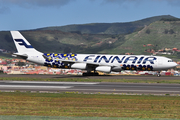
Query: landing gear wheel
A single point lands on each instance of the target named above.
(84, 74)
(96, 74)
(90, 74)
(158, 75)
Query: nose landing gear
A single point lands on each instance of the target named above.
(158, 74)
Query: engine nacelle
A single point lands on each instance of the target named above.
(106, 69)
(81, 66)
(116, 69)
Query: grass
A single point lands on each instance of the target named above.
(89, 105)
(71, 118)
(91, 80)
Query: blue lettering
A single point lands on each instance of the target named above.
(88, 58)
(140, 60)
(96, 59)
(150, 59)
(134, 58)
(105, 59)
(117, 58)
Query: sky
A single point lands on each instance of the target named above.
(32, 14)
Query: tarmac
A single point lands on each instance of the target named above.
(92, 87)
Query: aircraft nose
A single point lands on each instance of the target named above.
(175, 64)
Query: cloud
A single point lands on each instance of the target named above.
(37, 3)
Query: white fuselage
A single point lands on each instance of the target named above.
(108, 63)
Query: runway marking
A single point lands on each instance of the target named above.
(88, 83)
(121, 86)
(112, 90)
(31, 86)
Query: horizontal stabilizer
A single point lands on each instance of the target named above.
(23, 56)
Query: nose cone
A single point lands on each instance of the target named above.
(175, 64)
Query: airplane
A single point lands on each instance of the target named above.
(90, 62)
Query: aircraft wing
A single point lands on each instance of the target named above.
(88, 63)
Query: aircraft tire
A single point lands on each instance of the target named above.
(84, 74)
(90, 74)
(96, 74)
(158, 75)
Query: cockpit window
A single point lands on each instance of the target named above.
(170, 60)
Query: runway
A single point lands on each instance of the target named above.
(90, 87)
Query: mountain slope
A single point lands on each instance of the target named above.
(160, 34)
(108, 28)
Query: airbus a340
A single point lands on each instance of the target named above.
(90, 62)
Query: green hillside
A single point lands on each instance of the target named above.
(108, 28)
(161, 34)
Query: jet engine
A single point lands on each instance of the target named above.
(81, 66)
(106, 69)
(117, 69)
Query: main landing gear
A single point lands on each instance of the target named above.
(91, 74)
(158, 74)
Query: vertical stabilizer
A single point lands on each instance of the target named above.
(22, 45)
